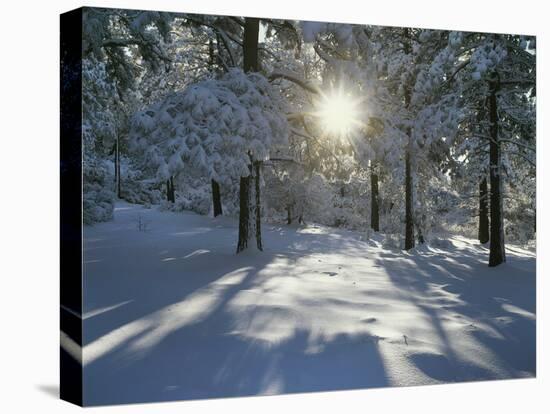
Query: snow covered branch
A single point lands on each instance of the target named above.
(294, 79)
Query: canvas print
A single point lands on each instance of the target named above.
(256, 206)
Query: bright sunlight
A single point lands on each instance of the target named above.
(339, 112)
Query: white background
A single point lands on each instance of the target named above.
(29, 206)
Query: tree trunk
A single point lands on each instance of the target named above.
(117, 167)
(258, 207)
(483, 233)
(216, 198)
(244, 210)
(374, 207)
(289, 214)
(211, 55)
(170, 192)
(119, 183)
(409, 218)
(420, 234)
(420, 216)
(250, 64)
(115, 151)
(250, 44)
(497, 253)
(409, 215)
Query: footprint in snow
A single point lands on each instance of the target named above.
(330, 273)
(369, 320)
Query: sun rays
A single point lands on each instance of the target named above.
(339, 112)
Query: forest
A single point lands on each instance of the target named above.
(414, 133)
(404, 159)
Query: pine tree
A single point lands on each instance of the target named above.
(250, 64)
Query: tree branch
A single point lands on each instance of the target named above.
(519, 154)
(521, 144)
(294, 79)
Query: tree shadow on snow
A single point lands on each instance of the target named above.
(207, 358)
(497, 303)
(173, 332)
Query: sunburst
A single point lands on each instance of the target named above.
(339, 112)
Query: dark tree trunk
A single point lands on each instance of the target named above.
(119, 183)
(483, 233)
(211, 55)
(374, 206)
(216, 198)
(170, 192)
(115, 151)
(258, 209)
(250, 44)
(289, 214)
(409, 218)
(244, 210)
(409, 215)
(420, 234)
(117, 167)
(497, 253)
(250, 64)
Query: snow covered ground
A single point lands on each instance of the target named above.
(171, 312)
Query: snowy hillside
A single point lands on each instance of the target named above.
(171, 312)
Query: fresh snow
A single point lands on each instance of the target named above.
(171, 312)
